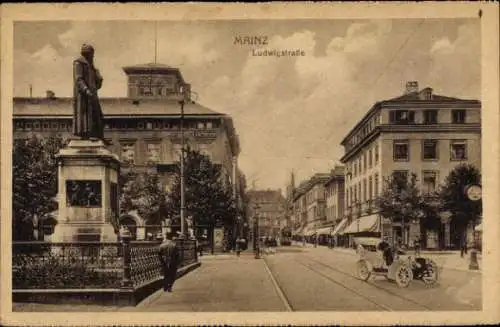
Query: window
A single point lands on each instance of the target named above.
(370, 188)
(153, 152)
(376, 154)
(401, 150)
(458, 150)
(370, 159)
(430, 149)
(364, 161)
(210, 125)
(201, 125)
(365, 193)
(376, 184)
(359, 191)
(355, 193)
(355, 169)
(400, 175)
(458, 116)
(128, 153)
(401, 116)
(149, 125)
(429, 182)
(176, 149)
(46, 126)
(430, 116)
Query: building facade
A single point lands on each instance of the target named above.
(334, 193)
(268, 206)
(144, 127)
(310, 205)
(421, 133)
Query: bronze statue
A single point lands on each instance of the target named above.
(87, 113)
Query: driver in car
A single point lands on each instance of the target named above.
(387, 251)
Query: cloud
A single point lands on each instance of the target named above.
(457, 65)
(290, 112)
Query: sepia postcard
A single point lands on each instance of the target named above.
(250, 164)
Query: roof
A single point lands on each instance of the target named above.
(336, 174)
(265, 195)
(150, 65)
(110, 107)
(153, 68)
(417, 96)
(304, 186)
(412, 97)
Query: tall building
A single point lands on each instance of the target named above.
(419, 132)
(144, 127)
(310, 205)
(269, 207)
(334, 193)
(289, 209)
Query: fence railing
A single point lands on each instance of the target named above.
(90, 265)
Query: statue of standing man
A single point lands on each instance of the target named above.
(87, 113)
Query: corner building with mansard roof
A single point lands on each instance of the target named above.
(144, 127)
(419, 132)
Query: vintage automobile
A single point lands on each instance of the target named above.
(402, 268)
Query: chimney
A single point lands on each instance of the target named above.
(411, 86)
(50, 94)
(31, 90)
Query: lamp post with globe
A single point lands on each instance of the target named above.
(473, 192)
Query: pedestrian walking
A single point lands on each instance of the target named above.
(417, 246)
(238, 246)
(170, 258)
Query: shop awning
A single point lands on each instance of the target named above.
(324, 231)
(309, 231)
(298, 231)
(339, 227)
(479, 228)
(363, 224)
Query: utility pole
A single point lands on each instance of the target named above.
(183, 205)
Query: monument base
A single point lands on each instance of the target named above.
(88, 193)
(84, 232)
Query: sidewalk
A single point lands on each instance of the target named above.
(222, 283)
(444, 259)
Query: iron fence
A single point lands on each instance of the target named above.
(90, 265)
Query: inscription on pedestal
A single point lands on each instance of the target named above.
(84, 193)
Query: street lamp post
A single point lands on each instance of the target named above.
(183, 205)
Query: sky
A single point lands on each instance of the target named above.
(291, 113)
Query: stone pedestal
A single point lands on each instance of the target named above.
(87, 193)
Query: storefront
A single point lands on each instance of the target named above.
(338, 238)
(367, 226)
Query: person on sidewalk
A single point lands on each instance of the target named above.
(238, 246)
(170, 258)
(417, 245)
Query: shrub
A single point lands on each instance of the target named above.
(51, 272)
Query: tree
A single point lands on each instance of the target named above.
(453, 199)
(34, 182)
(401, 200)
(143, 192)
(207, 199)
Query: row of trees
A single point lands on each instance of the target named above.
(207, 200)
(402, 200)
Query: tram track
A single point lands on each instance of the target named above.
(326, 276)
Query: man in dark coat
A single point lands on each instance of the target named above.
(170, 259)
(87, 113)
